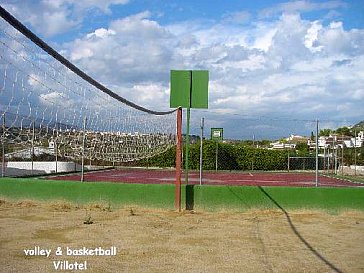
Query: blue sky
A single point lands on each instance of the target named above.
(274, 65)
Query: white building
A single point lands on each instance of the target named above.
(355, 141)
(338, 141)
(280, 146)
(333, 141)
(27, 153)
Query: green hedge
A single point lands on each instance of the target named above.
(230, 157)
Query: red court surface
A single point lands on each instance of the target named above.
(150, 176)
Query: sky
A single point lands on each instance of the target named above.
(274, 66)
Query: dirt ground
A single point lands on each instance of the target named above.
(168, 241)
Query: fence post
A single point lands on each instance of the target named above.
(355, 151)
(342, 155)
(32, 151)
(56, 146)
(335, 153)
(83, 149)
(217, 151)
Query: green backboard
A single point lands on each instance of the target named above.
(189, 88)
(217, 134)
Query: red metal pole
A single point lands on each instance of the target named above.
(177, 202)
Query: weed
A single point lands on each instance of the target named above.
(88, 220)
(108, 208)
(131, 212)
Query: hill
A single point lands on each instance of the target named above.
(359, 125)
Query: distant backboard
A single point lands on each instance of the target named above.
(217, 134)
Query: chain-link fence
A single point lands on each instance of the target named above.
(277, 144)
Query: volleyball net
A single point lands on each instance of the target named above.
(51, 110)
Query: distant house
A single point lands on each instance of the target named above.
(332, 141)
(335, 141)
(356, 141)
(27, 153)
(296, 139)
(280, 146)
(329, 142)
(288, 143)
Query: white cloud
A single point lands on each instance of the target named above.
(264, 40)
(47, 17)
(146, 93)
(239, 17)
(301, 6)
(337, 41)
(101, 33)
(311, 36)
(103, 5)
(55, 98)
(51, 17)
(286, 67)
(132, 50)
(80, 53)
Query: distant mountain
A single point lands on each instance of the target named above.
(359, 125)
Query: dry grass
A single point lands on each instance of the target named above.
(167, 241)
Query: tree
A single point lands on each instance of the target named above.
(325, 132)
(344, 131)
(302, 149)
(312, 136)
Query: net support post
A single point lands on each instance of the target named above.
(177, 200)
(187, 144)
(187, 155)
